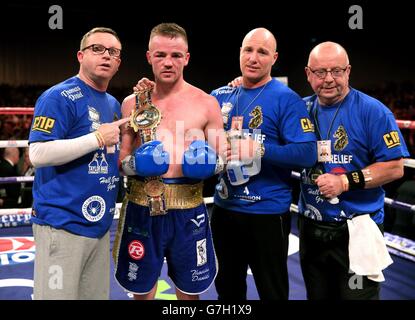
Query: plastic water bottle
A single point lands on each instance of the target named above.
(253, 167)
(237, 173)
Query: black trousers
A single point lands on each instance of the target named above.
(324, 257)
(259, 241)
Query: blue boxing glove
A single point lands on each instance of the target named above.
(151, 160)
(199, 161)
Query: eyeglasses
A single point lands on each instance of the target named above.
(100, 49)
(335, 73)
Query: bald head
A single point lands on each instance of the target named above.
(12, 153)
(328, 72)
(263, 36)
(328, 52)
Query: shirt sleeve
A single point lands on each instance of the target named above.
(53, 117)
(295, 125)
(386, 140)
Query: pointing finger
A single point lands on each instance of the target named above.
(121, 121)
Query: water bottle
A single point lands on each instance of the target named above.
(237, 173)
(253, 167)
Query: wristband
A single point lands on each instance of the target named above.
(356, 180)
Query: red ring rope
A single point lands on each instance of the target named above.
(402, 124)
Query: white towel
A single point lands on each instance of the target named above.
(368, 254)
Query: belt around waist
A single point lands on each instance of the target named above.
(177, 196)
(330, 224)
(177, 180)
(324, 224)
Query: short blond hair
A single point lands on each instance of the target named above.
(171, 30)
(97, 30)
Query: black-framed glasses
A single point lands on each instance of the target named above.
(335, 72)
(100, 49)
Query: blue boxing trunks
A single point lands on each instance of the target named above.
(182, 236)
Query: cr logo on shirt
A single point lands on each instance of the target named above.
(43, 124)
(307, 125)
(392, 139)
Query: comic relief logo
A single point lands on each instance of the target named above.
(136, 250)
(15, 250)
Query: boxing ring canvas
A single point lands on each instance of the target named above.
(17, 252)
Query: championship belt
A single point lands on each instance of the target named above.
(144, 119)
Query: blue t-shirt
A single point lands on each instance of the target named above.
(78, 196)
(363, 131)
(273, 114)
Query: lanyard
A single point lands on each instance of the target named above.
(252, 101)
(332, 120)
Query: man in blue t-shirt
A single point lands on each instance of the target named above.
(270, 134)
(74, 148)
(359, 149)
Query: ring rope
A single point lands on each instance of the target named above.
(14, 143)
(23, 211)
(406, 124)
(396, 244)
(403, 124)
(16, 110)
(7, 180)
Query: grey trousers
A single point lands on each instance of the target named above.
(69, 266)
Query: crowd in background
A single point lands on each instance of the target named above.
(399, 97)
